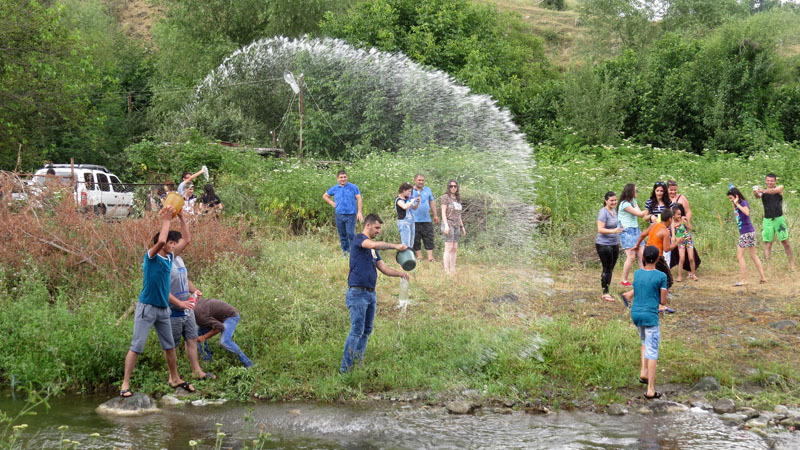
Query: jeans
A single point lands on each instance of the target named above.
(226, 340)
(346, 225)
(362, 305)
(406, 228)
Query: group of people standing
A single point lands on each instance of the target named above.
(670, 227)
(414, 205)
(669, 218)
(416, 210)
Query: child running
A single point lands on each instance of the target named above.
(650, 297)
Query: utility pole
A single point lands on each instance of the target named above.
(300, 150)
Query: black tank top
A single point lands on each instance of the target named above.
(401, 213)
(773, 205)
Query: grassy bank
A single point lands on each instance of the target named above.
(531, 330)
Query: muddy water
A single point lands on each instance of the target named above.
(304, 425)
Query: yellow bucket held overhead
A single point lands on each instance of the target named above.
(175, 200)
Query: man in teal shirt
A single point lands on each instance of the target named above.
(649, 297)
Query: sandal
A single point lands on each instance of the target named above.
(185, 386)
(655, 396)
(607, 297)
(625, 301)
(643, 380)
(125, 393)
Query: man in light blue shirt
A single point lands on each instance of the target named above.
(346, 202)
(423, 228)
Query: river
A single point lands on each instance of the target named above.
(381, 426)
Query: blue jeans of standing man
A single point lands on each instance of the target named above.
(226, 341)
(346, 225)
(362, 304)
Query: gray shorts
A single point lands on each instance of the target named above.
(454, 236)
(149, 316)
(183, 326)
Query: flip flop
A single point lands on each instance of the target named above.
(669, 310)
(185, 386)
(655, 396)
(125, 393)
(739, 284)
(607, 297)
(625, 301)
(642, 380)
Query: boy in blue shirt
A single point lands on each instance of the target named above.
(649, 297)
(153, 311)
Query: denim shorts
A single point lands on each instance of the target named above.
(629, 237)
(650, 337)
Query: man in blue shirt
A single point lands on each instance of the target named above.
(361, 299)
(423, 229)
(346, 202)
(153, 311)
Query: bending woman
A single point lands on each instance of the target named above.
(747, 235)
(452, 226)
(607, 242)
(629, 214)
(405, 220)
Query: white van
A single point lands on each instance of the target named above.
(94, 187)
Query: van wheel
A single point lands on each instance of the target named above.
(100, 210)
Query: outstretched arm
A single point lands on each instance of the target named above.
(386, 270)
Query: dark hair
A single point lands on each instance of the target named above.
(628, 193)
(209, 190)
(51, 171)
(184, 174)
(173, 235)
(771, 175)
(672, 183)
(664, 195)
(608, 195)
(372, 218)
(404, 187)
(736, 193)
(678, 207)
(458, 189)
(666, 214)
(651, 254)
(341, 172)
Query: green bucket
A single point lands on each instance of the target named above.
(406, 259)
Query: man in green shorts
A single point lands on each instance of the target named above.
(774, 222)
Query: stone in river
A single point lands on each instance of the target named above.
(460, 407)
(617, 409)
(136, 405)
(724, 406)
(663, 407)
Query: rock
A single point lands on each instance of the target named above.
(781, 410)
(724, 406)
(735, 418)
(749, 412)
(503, 410)
(783, 324)
(763, 434)
(507, 298)
(617, 409)
(509, 403)
(460, 407)
(169, 400)
(470, 393)
(295, 412)
(207, 402)
(702, 405)
(706, 384)
(136, 405)
(537, 409)
(758, 422)
(791, 422)
(774, 379)
(664, 407)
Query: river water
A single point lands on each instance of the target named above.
(387, 426)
